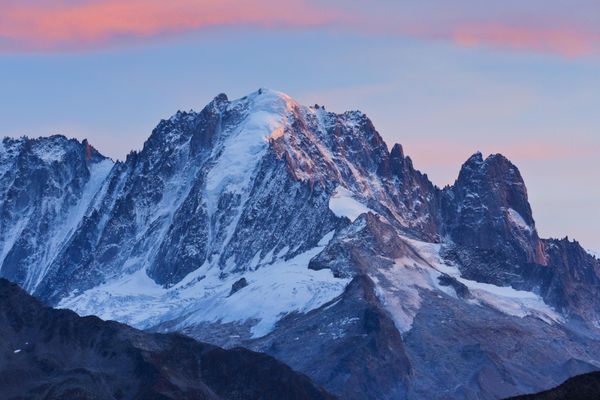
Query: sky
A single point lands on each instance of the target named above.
(443, 78)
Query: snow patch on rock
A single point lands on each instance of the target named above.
(594, 253)
(517, 220)
(49, 151)
(343, 204)
(399, 288)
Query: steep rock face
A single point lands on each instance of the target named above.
(329, 150)
(369, 244)
(574, 284)
(137, 204)
(494, 240)
(358, 348)
(54, 354)
(46, 186)
(487, 209)
(418, 199)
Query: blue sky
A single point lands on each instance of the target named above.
(441, 98)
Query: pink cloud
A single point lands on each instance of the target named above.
(566, 41)
(60, 24)
(43, 25)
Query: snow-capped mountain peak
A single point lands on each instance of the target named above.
(295, 231)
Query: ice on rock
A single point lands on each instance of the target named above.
(517, 220)
(343, 204)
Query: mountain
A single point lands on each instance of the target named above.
(296, 232)
(46, 187)
(55, 354)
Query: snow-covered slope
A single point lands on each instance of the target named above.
(343, 204)
(295, 231)
(277, 288)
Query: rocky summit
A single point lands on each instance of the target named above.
(297, 232)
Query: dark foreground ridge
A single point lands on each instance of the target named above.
(55, 354)
(582, 387)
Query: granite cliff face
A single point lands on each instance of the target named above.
(295, 231)
(487, 209)
(46, 187)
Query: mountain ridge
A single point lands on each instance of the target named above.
(260, 222)
(54, 354)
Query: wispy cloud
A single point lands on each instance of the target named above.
(566, 41)
(58, 25)
(49, 25)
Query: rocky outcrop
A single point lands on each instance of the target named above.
(573, 286)
(487, 210)
(46, 186)
(366, 245)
